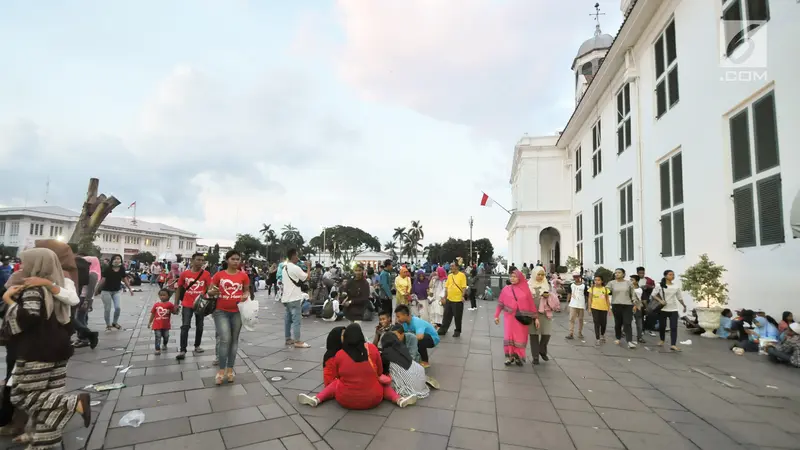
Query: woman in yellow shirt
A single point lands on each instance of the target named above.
(402, 285)
(601, 308)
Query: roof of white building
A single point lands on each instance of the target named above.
(59, 213)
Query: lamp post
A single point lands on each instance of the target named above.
(324, 238)
(469, 260)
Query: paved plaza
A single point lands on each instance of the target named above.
(584, 397)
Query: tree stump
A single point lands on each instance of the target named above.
(95, 210)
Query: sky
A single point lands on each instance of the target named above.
(216, 116)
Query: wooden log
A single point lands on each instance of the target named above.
(95, 209)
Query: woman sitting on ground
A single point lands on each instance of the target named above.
(408, 376)
(725, 323)
(332, 347)
(788, 350)
(786, 320)
(355, 370)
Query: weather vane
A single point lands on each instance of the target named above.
(597, 15)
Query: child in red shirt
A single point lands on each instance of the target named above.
(160, 317)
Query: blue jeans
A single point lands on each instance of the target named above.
(108, 298)
(228, 325)
(161, 335)
(291, 321)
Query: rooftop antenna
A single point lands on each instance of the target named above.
(597, 15)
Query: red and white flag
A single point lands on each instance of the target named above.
(486, 201)
(131, 205)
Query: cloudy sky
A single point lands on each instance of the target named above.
(219, 115)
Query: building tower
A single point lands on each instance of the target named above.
(590, 55)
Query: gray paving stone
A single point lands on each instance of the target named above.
(390, 438)
(321, 424)
(216, 393)
(762, 434)
(581, 418)
(201, 441)
(475, 421)
(544, 435)
(634, 421)
(239, 401)
(426, 420)
(149, 401)
(173, 386)
(705, 436)
(297, 442)
(473, 439)
(571, 404)
(440, 400)
(147, 432)
(152, 379)
(360, 422)
(272, 411)
(673, 416)
(643, 441)
(527, 409)
(182, 366)
(347, 440)
(252, 433)
(601, 399)
(519, 391)
(274, 444)
(305, 427)
(216, 421)
(593, 437)
(475, 406)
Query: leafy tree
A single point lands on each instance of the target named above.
(484, 249)
(454, 248)
(145, 257)
(345, 242)
(248, 245)
(270, 238)
(434, 252)
(704, 280)
(290, 234)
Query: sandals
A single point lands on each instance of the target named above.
(219, 378)
(84, 400)
(231, 376)
(24, 438)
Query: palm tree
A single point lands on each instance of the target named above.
(290, 233)
(270, 238)
(415, 230)
(399, 233)
(265, 229)
(391, 247)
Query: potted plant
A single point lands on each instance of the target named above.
(704, 282)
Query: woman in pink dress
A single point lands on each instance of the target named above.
(516, 300)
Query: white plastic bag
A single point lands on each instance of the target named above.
(132, 419)
(249, 312)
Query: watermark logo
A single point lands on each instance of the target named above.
(744, 49)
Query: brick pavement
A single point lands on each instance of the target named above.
(585, 397)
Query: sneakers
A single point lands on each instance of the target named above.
(181, 356)
(472, 309)
(198, 350)
(457, 334)
(405, 401)
(158, 351)
(631, 345)
(310, 400)
(641, 341)
(93, 340)
(616, 341)
(432, 382)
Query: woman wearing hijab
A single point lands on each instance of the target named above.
(356, 369)
(516, 300)
(402, 285)
(332, 347)
(546, 303)
(437, 296)
(420, 290)
(408, 376)
(172, 278)
(38, 328)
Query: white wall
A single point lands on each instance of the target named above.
(698, 127)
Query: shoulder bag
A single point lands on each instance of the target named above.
(301, 284)
(525, 320)
(183, 291)
(382, 378)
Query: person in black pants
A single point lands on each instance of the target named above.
(473, 290)
(456, 286)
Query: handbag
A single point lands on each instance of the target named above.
(382, 378)
(301, 284)
(525, 320)
(204, 305)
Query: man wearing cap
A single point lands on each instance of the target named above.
(788, 350)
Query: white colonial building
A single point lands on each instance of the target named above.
(20, 227)
(678, 145)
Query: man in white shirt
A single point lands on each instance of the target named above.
(292, 297)
(577, 305)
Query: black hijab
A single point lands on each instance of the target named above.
(354, 343)
(333, 345)
(393, 350)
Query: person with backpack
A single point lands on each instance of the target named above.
(330, 310)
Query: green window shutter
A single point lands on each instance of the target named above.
(666, 198)
(744, 216)
(666, 235)
(740, 146)
(679, 233)
(770, 210)
(766, 133)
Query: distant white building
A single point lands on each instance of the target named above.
(368, 258)
(677, 146)
(207, 245)
(20, 227)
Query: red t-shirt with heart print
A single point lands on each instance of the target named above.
(162, 311)
(230, 289)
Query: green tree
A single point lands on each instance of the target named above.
(270, 238)
(434, 252)
(145, 257)
(290, 234)
(452, 249)
(213, 256)
(484, 249)
(391, 247)
(345, 242)
(248, 245)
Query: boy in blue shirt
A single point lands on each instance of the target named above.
(427, 337)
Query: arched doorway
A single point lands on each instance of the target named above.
(550, 247)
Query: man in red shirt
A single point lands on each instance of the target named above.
(192, 283)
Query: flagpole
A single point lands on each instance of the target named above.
(498, 204)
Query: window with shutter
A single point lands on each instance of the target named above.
(666, 70)
(673, 239)
(597, 159)
(741, 19)
(744, 216)
(578, 171)
(626, 221)
(623, 118)
(757, 194)
(770, 211)
(598, 232)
